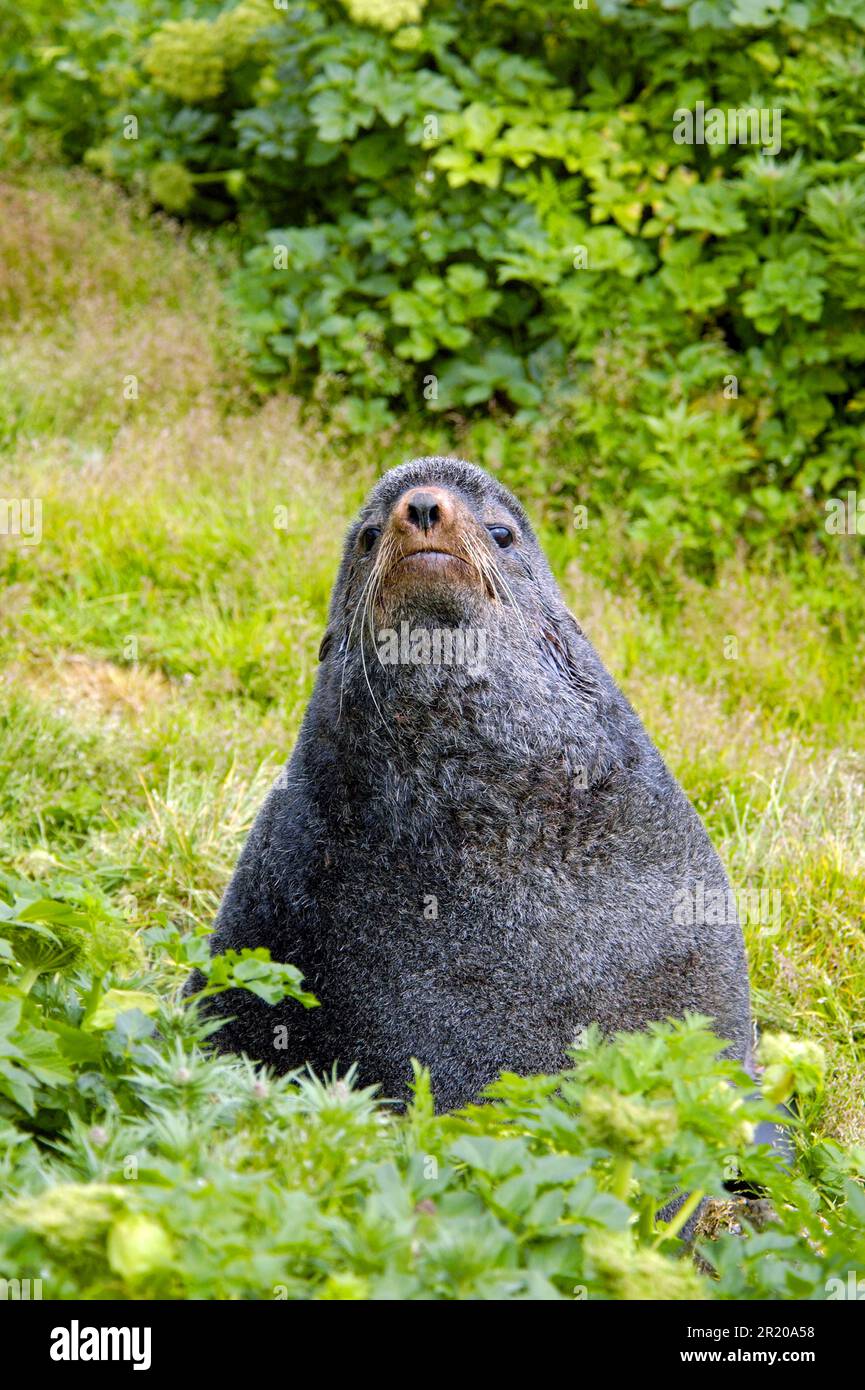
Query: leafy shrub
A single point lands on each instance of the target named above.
(449, 205)
(136, 1165)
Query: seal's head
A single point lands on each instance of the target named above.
(436, 534)
(441, 545)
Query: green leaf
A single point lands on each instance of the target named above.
(115, 1002)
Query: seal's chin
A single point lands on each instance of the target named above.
(429, 584)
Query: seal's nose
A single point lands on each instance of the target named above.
(424, 509)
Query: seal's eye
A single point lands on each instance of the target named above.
(502, 535)
(368, 537)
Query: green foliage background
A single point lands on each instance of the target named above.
(414, 183)
(132, 1163)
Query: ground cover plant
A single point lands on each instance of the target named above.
(157, 649)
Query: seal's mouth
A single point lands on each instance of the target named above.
(429, 559)
(429, 568)
(408, 567)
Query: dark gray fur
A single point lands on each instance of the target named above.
(555, 900)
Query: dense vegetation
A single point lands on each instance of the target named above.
(449, 204)
(179, 1176)
(158, 642)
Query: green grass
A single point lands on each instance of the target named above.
(158, 646)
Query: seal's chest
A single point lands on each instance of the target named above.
(465, 912)
(474, 808)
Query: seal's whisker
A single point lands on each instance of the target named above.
(494, 579)
(482, 563)
(373, 581)
(347, 642)
(381, 568)
(366, 604)
(368, 685)
(479, 562)
(370, 579)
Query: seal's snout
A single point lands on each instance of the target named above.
(424, 510)
(428, 531)
(431, 542)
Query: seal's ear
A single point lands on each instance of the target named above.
(325, 645)
(559, 644)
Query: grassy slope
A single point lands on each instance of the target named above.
(158, 646)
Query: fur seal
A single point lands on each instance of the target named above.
(472, 857)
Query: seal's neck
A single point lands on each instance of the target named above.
(475, 714)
